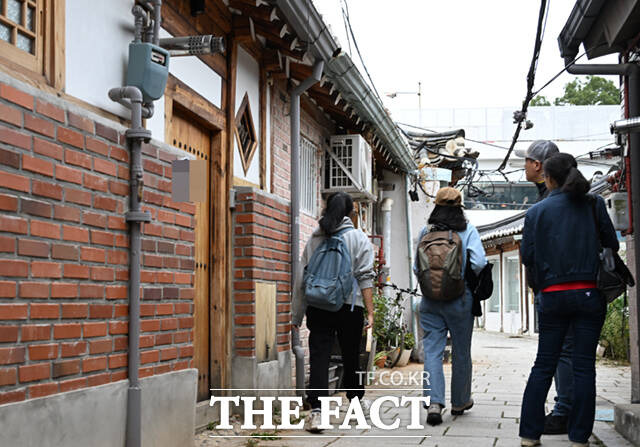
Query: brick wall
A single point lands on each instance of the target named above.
(64, 252)
(261, 253)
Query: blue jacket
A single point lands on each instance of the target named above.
(559, 241)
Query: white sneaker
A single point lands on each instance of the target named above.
(526, 442)
(313, 421)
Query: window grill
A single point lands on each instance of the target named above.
(308, 176)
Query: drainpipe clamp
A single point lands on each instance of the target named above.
(137, 216)
(140, 134)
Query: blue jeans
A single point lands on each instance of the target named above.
(437, 318)
(585, 310)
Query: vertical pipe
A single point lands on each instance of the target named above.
(412, 279)
(295, 205)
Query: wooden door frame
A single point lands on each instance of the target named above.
(215, 119)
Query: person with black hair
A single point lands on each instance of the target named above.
(560, 247)
(348, 321)
(437, 318)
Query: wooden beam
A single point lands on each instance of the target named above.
(272, 60)
(263, 13)
(263, 128)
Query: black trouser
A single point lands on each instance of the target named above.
(323, 326)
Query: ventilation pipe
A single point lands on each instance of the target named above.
(315, 77)
(412, 278)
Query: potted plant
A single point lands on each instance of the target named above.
(407, 347)
(380, 359)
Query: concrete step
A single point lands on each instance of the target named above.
(627, 422)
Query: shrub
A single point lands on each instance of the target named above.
(615, 331)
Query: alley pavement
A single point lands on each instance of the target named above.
(501, 366)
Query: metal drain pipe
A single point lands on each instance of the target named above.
(295, 207)
(131, 97)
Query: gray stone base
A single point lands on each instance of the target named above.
(97, 416)
(627, 421)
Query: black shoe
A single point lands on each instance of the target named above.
(459, 411)
(555, 425)
(434, 414)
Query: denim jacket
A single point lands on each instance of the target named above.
(559, 241)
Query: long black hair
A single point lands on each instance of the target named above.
(339, 205)
(448, 217)
(563, 169)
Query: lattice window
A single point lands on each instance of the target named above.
(21, 32)
(246, 133)
(336, 177)
(308, 176)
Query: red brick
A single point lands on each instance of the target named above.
(168, 353)
(61, 251)
(119, 154)
(14, 138)
(102, 274)
(186, 351)
(80, 122)
(11, 115)
(94, 219)
(64, 290)
(91, 291)
(96, 182)
(12, 355)
(104, 203)
(104, 166)
(47, 149)
(28, 247)
(34, 290)
(100, 346)
(30, 373)
(77, 196)
(9, 334)
(14, 181)
(73, 384)
(73, 349)
(100, 311)
(75, 310)
(37, 165)
(97, 146)
(164, 339)
(67, 330)
(150, 325)
(67, 174)
(35, 207)
(13, 396)
(67, 213)
(71, 137)
(117, 292)
(122, 343)
(149, 356)
(9, 267)
(94, 329)
(91, 254)
(45, 189)
(76, 271)
(118, 327)
(107, 132)
(118, 188)
(77, 234)
(65, 368)
(41, 269)
(39, 125)
(119, 375)
(45, 311)
(16, 96)
(43, 390)
(49, 110)
(43, 352)
(117, 223)
(98, 379)
(94, 364)
(8, 376)
(33, 332)
(13, 311)
(117, 361)
(45, 229)
(164, 309)
(8, 203)
(74, 157)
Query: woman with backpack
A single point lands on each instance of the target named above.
(560, 246)
(444, 248)
(333, 291)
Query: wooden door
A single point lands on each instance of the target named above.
(185, 133)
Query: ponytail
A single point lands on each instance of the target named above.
(339, 205)
(563, 169)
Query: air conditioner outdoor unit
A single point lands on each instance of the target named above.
(354, 153)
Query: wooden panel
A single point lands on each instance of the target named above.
(266, 348)
(185, 134)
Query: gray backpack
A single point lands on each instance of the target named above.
(440, 265)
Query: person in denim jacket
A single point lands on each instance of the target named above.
(560, 248)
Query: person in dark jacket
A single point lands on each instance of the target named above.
(556, 421)
(560, 247)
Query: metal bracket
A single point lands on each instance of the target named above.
(137, 216)
(140, 134)
(232, 199)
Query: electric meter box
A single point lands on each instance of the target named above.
(618, 209)
(148, 69)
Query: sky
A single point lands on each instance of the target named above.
(466, 53)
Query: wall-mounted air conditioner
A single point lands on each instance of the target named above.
(348, 159)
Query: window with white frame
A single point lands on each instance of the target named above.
(308, 176)
(494, 300)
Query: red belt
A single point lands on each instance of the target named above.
(575, 285)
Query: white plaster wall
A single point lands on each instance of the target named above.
(248, 81)
(97, 36)
(399, 268)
